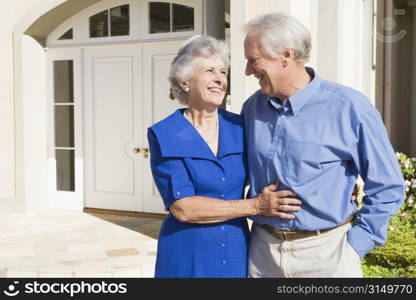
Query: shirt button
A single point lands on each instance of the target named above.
(222, 228)
(178, 193)
(223, 261)
(222, 178)
(222, 196)
(223, 245)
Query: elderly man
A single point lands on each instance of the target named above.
(314, 137)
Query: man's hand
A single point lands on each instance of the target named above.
(276, 203)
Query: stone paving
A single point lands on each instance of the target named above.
(75, 244)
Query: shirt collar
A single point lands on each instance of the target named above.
(178, 138)
(298, 100)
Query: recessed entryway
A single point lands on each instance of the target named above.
(108, 81)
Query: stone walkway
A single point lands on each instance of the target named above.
(74, 244)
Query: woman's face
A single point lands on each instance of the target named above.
(208, 83)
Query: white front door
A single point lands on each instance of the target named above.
(126, 90)
(157, 58)
(113, 128)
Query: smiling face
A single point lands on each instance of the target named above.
(208, 83)
(269, 71)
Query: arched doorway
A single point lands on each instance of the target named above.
(106, 73)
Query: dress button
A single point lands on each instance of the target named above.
(223, 261)
(178, 193)
(222, 196)
(222, 228)
(223, 245)
(222, 178)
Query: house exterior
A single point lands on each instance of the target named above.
(81, 80)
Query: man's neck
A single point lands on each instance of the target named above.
(297, 79)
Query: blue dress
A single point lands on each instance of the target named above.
(183, 166)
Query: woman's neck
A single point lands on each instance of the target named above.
(201, 118)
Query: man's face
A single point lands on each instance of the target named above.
(269, 71)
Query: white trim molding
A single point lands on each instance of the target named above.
(139, 24)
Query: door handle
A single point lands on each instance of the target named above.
(145, 151)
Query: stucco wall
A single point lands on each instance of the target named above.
(34, 124)
(11, 13)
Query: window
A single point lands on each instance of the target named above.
(63, 75)
(170, 17)
(99, 24)
(183, 18)
(120, 23)
(112, 22)
(159, 17)
(67, 35)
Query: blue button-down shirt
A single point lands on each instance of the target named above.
(316, 143)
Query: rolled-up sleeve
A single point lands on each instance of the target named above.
(376, 163)
(169, 173)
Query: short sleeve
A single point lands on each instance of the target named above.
(169, 174)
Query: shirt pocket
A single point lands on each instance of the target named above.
(301, 161)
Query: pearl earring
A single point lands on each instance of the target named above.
(186, 89)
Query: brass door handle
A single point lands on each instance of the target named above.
(145, 151)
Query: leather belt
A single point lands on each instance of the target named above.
(290, 235)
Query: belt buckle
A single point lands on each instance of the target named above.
(281, 235)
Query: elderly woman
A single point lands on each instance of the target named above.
(198, 164)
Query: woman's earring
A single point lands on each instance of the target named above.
(186, 89)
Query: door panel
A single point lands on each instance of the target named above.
(112, 104)
(113, 128)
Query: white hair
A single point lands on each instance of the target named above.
(279, 31)
(182, 65)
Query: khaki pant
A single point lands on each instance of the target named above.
(325, 255)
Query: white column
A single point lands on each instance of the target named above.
(412, 131)
(238, 17)
(349, 40)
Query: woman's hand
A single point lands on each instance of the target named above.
(276, 203)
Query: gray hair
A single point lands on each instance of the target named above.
(183, 64)
(279, 31)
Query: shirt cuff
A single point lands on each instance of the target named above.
(360, 240)
(183, 192)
